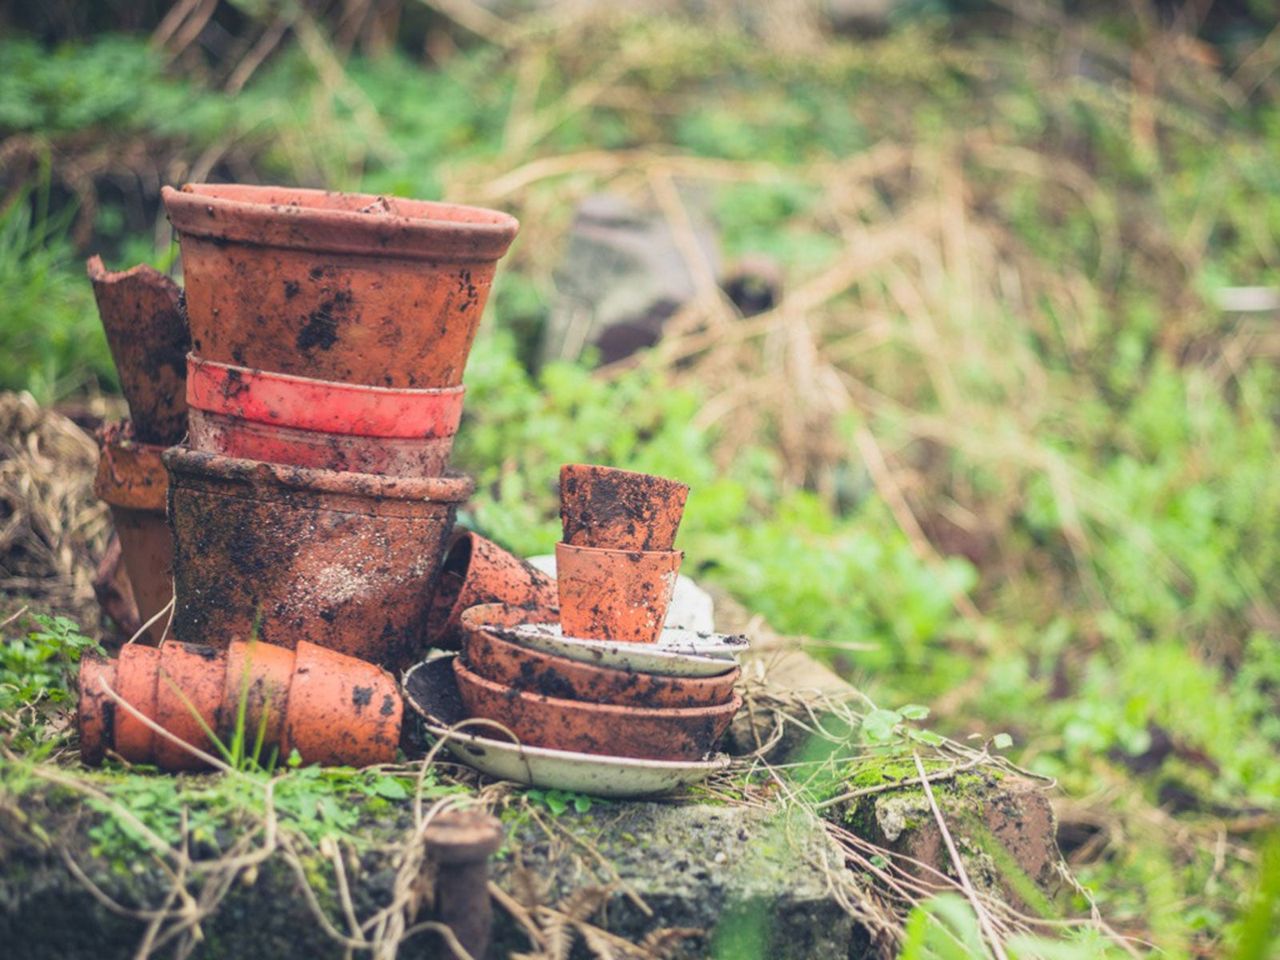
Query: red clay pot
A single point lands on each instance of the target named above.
(492, 656)
(258, 415)
(619, 509)
(287, 554)
(476, 571)
(332, 708)
(347, 287)
(652, 734)
(342, 710)
(132, 480)
(620, 595)
(141, 311)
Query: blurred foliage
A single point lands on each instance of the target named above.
(1087, 441)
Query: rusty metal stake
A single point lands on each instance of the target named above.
(458, 846)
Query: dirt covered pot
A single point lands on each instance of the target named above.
(338, 286)
(615, 731)
(331, 708)
(619, 509)
(478, 571)
(620, 595)
(290, 554)
(494, 655)
(259, 415)
(133, 482)
(146, 327)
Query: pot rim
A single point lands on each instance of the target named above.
(261, 215)
(604, 711)
(602, 551)
(451, 488)
(625, 474)
(322, 406)
(130, 474)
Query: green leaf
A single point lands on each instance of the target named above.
(879, 726)
(1002, 741)
(914, 711)
(390, 787)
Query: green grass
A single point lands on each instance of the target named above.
(1090, 451)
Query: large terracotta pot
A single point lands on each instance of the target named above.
(331, 708)
(288, 554)
(476, 571)
(133, 482)
(337, 286)
(619, 509)
(495, 657)
(618, 595)
(141, 312)
(279, 418)
(541, 721)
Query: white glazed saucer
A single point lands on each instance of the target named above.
(430, 690)
(678, 653)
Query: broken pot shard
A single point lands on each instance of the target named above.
(345, 287)
(332, 708)
(133, 482)
(615, 594)
(279, 418)
(495, 656)
(478, 571)
(619, 509)
(289, 554)
(141, 311)
(617, 731)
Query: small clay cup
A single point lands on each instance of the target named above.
(346, 287)
(615, 731)
(96, 712)
(279, 418)
(133, 482)
(619, 595)
(259, 675)
(287, 554)
(141, 312)
(491, 655)
(619, 509)
(189, 693)
(476, 571)
(137, 669)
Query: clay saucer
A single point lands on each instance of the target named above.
(678, 653)
(531, 670)
(431, 691)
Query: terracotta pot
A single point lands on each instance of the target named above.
(132, 480)
(342, 710)
(258, 415)
(347, 287)
(136, 672)
(476, 571)
(141, 311)
(495, 657)
(616, 731)
(114, 593)
(619, 509)
(620, 595)
(332, 708)
(286, 554)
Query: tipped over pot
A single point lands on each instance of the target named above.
(338, 286)
(133, 482)
(331, 708)
(289, 554)
(478, 571)
(618, 595)
(619, 509)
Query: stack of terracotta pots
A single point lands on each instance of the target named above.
(312, 502)
(616, 571)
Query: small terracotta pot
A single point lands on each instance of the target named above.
(620, 595)
(132, 480)
(258, 415)
(476, 571)
(332, 708)
(652, 734)
(286, 554)
(141, 311)
(346, 287)
(619, 509)
(342, 710)
(488, 653)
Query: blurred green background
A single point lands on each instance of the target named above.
(1007, 444)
